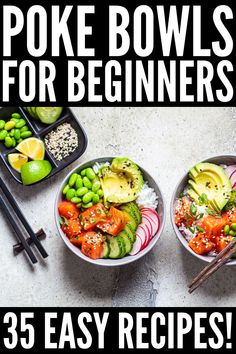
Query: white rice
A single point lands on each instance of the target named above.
(147, 198)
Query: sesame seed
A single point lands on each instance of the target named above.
(62, 141)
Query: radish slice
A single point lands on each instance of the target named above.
(231, 173)
(146, 221)
(148, 235)
(149, 211)
(233, 177)
(143, 235)
(154, 223)
(229, 169)
(146, 209)
(153, 217)
(137, 246)
(146, 230)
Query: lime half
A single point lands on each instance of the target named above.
(35, 171)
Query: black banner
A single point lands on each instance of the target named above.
(118, 53)
(116, 330)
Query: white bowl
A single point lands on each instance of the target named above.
(124, 260)
(224, 160)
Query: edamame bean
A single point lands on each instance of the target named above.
(70, 193)
(100, 193)
(12, 132)
(90, 173)
(83, 172)
(232, 233)
(13, 142)
(24, 129)
(81, 191)
(26, 135)
(14, 120)
(9, 125)
(75, 200)
(233, 226)
(17, 134)
(78, 205)
(2, 124)
(21, 123)
(8, 142)
(88, 197)
(96, 186)
(96, 179)
(226, 229)
(16, 115)
(3, 134)
(72, 179)
(20, 140)
(87, 182)
(79, 182)
(95, 199)
(86, 206)
(65, 190)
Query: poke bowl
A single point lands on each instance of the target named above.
(203, 207)
(109, 211)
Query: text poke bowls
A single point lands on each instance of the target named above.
(203, 207)
(109, 211)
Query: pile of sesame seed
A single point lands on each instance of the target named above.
(62, 141)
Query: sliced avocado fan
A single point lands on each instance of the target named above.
(211, 180)
(121, 182)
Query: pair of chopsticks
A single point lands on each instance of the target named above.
(223, 257)
(15, 225)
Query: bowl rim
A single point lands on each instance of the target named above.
(108, 262)
(179, 235)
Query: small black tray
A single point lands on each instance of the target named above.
(39, 131)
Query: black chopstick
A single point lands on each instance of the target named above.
(18, 247)
(22, 218)
(17, 230)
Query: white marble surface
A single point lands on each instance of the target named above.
(166, 141)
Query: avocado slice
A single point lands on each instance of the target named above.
(121, 182)
(200, 189)
(193, 195)
(210, 179)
